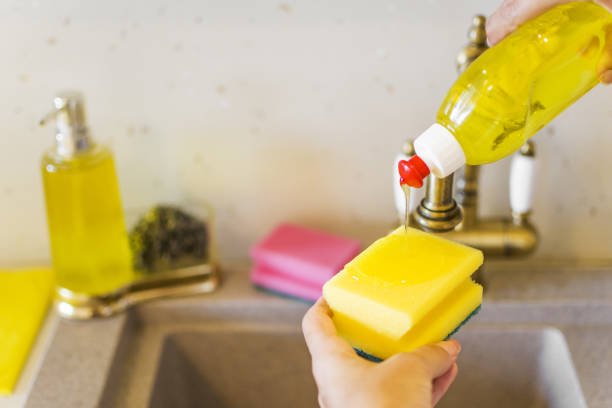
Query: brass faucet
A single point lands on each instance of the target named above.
(458, 220)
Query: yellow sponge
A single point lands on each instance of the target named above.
(407, 289)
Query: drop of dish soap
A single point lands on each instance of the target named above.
(406, 189)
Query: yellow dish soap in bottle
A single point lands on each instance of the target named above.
(89, 241)
(513, 90)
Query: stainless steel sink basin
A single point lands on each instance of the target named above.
(257, 358)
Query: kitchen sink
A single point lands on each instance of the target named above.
(514, 367)
(258, 358)
(250, 368)
(540, 340)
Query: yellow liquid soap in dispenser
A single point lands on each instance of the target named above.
(89, 241)
(513, 90)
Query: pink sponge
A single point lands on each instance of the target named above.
(297, 261)
(279, 283)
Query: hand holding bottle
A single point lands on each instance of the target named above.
(517, 87)
(512, 13)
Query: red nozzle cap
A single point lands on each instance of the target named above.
(413, 171)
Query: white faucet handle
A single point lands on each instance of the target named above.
(522, 179)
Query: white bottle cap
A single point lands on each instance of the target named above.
(439, 149)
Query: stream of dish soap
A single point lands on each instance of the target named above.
(406, 189)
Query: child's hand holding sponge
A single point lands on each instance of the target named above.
(406, 290)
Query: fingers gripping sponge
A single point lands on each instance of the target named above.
(407, 289)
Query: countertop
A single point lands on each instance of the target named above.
(576, 299)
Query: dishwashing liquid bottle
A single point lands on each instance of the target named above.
(89, 241)
(513, 90)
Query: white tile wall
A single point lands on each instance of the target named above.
(271, 110)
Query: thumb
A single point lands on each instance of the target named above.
(320, 334)
(432, 360)
(438, 357)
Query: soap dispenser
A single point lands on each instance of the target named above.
(89, 241)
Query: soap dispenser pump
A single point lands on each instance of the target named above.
(89, 241)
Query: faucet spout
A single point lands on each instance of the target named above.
(438, 212)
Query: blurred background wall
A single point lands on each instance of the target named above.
(271, 111)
